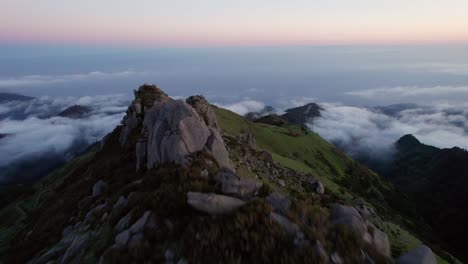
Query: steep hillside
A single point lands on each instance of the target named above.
(179, 182)
(436, 180)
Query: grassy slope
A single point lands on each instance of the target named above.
(12, 216)
(310, 153)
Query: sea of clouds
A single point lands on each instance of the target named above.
(33, 131)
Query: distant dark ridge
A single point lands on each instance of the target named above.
(8, 97)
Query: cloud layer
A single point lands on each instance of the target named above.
(403, 92)
(364, 130)
(33, 131)
(35, 80)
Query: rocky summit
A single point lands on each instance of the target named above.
(186, 182)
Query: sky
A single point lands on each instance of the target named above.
(155, 23)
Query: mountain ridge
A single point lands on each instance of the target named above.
(301, 199)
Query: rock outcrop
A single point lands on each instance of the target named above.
(232, 184)
(170, 130)
(213, 204)
(350, 218)
(420, 255)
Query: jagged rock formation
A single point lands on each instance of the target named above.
(170, 130)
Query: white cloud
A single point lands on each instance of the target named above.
(32, 80)
(360, 130)
(33, 128)
(243, 107)
(403, 92)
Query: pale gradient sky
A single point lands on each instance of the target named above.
(234, 23)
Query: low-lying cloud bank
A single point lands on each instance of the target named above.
(373, 130)
(33, 80)
(367, 130)
(31, 131)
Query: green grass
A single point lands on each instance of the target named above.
(309, 153)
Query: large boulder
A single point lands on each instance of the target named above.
(230, 183)
(213, 204)
(292, 229)
(349, 217)
(420, 255)
(167, 130)
(280, 203)
(174, 131)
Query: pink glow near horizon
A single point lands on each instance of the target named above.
(226, 26)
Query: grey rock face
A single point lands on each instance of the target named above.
(320, 251)
(232, 184)
(281, 183)
(318, 187)
(280, 203)
(99, 187)
(204, 110)
(145, 97)
(216, 147)
(123, 223)
(291, 229)
(380, 242)
(121, 202)
(133, 235)
(175, 131)
(170, 130)
(349, 217)
(247, 138)
(77, 246)
(213, 204)
(420, 255)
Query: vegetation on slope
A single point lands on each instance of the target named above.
(306, 151)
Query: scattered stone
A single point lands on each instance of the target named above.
(247, 138)
(121, 202)
(280, 203)
(232, 184)
(78, 246)
(204, 174)
(281, 183)
(318, 187)
(147, 220)
(291, 229)
(99, 187)
(133, 235)
(213, 204)
(320, 251)
(93, 213)
(169, 255)
(420, 255)
(123, 223)
(336, 259)
(183, 261)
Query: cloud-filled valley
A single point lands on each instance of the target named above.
(32, 133)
